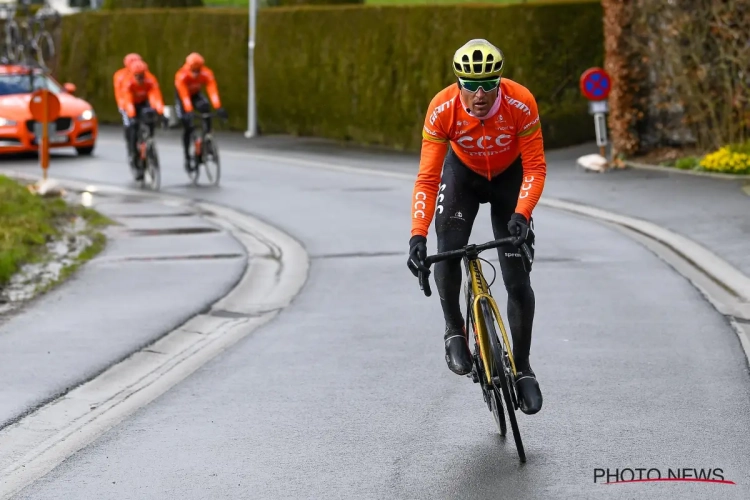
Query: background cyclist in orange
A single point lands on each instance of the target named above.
(496, 156)
(117, 79)
(138, 94)
(189, 81)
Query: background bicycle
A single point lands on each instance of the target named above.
(145, 165)
(203, 151)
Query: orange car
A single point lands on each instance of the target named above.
(76, 127)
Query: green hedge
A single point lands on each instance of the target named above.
(163, 38)
(287, 3)
(146, 4)
(369, 73)
(361, 73)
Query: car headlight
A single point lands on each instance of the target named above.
(87, 115)
(4, 122)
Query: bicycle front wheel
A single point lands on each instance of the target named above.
(211, 160)
(152, 175)
(501, 374)
(193, 169)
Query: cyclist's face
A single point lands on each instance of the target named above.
(139, 77)
(479, 102)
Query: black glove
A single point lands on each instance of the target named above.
(222, 113)
(417, 255)
(188, 116)
(518, 227)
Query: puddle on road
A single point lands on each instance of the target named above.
(216, 256)
(152, 216)
(171, 231)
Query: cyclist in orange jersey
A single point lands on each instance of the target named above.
(496, 156)
(117, 79)
(139, 94)
(122, 73)
(188, 82)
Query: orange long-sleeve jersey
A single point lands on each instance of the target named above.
(132, 93)
(188, 85)
(120, 76)
(488, 146)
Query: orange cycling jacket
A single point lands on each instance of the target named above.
(188, 85)
(132, 93)
(488, 146)
(118, 78)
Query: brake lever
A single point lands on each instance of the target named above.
(526, 258)
(424, 283)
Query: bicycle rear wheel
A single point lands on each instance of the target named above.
(501, 373)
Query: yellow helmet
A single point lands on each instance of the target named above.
(478, 59)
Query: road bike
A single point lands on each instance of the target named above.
(203, 152)
(146, 160)
(493, 365)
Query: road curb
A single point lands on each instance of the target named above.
(696, 254)
(276, 272)
(712, 175)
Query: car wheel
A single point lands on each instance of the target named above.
(85, 151)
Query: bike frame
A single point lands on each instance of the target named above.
(480, 290)
(203, 133)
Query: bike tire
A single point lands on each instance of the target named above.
(13, 42)
(152, 171)
(211, 161)
(502, 374)
(12, 37)
(496, 406)
(42, 41)
(194, 174)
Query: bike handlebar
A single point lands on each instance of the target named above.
(212, 114)
(424, 278)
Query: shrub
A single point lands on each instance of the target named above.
(360, 73)
(733, 159)
(144, 4)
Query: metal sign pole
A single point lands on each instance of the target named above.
(251, 111)
(600, 125)
(45, 138)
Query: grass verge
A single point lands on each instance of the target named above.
(29, 222)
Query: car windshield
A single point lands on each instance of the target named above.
(23, 84)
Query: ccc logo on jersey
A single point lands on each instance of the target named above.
(485, 142)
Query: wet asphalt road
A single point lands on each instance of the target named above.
(141, 285)
(346, 394)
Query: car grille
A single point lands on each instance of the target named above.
(62, 124)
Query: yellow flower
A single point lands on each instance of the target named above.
(726, 159)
